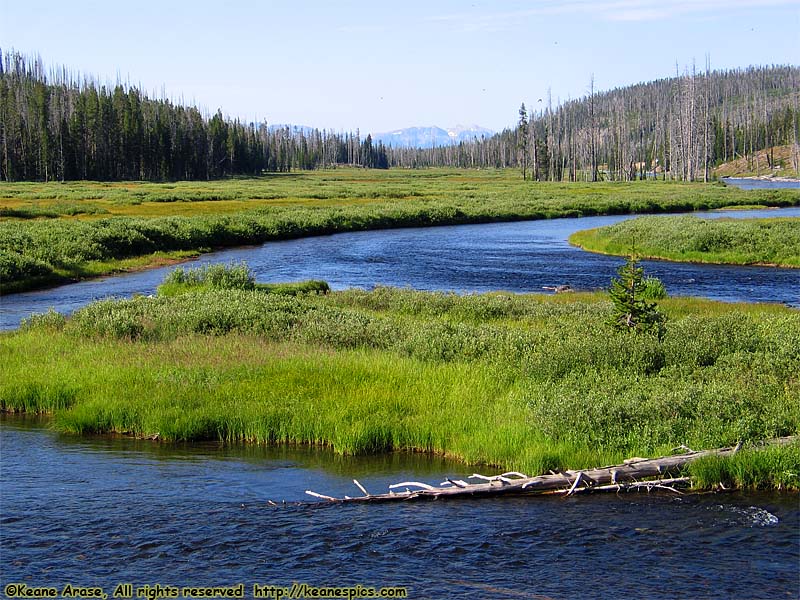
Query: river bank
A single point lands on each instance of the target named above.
(764, 242)
(766, 178)
(53, 233)
(531, 383)
(198, 514)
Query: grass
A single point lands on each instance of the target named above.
(89, 228)
(35, 276)
(753, 468)
(524, 382)
(774, 242)
(231, 277)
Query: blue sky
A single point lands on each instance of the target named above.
(377, 66)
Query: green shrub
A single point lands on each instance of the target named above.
(216, 276)
(653, 289)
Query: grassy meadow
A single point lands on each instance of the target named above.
(55, 232)
(693, 239)
(526, 382)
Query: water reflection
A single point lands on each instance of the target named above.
(285, 461)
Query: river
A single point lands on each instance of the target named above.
(517, 257)
(751, 183)
(102, 511)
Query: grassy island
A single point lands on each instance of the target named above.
(773, 242)
(56, 232)
(528, 382)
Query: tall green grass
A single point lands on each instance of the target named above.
(752, 468)
(526, 382)
(231, 277)
(689, 238)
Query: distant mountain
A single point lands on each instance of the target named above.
(428, 137)
(410, 137)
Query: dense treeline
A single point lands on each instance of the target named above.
(676, 128)
(55, 127)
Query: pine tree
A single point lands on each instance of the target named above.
(631, 311)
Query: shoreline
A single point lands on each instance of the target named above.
(779, 178)
(50, 251)
(775, 238)
(693, 262)
(162, 258)
(492, 380)
(696, 480)
(124, 266)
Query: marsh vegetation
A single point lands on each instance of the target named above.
(693, 239)
(527, 382)
(128, 225)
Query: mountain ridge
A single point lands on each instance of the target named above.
(430, 136)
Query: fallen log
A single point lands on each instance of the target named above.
(633, 474)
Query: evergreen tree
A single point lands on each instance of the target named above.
(632, 312)
(54, 127)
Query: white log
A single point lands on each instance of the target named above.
(629, 475)
(361, 487)
(424, 486)
(323, 496)
(575, 484)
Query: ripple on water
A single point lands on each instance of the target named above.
(183, 523)
(750, 516)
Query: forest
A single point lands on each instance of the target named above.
(57, 126)
(677, 128)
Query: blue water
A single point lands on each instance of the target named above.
(518, 257)
(760, 184)
(101, 511)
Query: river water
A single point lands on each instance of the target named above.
(516, 257)
(760, 184)
(103, 511)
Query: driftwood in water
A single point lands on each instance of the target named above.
(634, 473)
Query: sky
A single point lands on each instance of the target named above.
(376, 66)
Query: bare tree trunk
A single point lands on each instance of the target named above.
(612, 478)
(705, 120)
(593, 130)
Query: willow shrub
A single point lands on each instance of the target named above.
(691, 238)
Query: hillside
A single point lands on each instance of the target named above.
(777, 161)
(678, 128)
